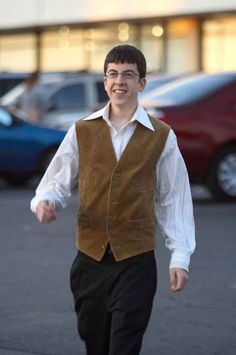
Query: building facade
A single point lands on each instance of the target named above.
(176, 36)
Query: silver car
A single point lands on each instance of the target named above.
(68, 97)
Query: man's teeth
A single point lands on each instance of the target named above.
(119, 91)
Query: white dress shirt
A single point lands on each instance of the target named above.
(174, 208)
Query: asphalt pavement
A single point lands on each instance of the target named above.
(36, 307)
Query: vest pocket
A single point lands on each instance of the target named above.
(143, 228)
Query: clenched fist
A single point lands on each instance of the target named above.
(45, 211)
(178, 279)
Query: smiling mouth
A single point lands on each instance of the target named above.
(119, 91)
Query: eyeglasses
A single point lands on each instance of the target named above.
(126, 75)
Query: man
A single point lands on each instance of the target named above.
(32, 101)
(129, 170)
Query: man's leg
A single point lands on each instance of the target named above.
(113, 301)
(131, 303)
(88, 285)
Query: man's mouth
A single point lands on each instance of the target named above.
(119, 91)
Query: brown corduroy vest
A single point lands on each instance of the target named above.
(116, 198)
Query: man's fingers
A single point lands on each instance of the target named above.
(173, 281)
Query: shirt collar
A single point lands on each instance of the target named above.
(140, 115)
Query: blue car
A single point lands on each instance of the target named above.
(25, 149)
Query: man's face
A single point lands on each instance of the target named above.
(122, 83)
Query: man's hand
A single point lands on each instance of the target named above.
(178, 279)
(45, 212)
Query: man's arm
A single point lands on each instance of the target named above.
(54, 189)
(175, 211)
(34, 115)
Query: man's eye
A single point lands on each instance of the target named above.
(112, 74)
(128, 75)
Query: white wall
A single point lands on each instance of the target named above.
(23, 13)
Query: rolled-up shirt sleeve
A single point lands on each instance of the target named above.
(174, 208)
(61, 175)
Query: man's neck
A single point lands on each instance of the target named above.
(120, 116)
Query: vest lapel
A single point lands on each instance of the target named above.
(133, 146)
(105, 137)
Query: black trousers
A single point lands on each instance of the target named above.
(113, 301)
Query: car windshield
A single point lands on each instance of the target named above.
(152, 84)
(158, 82)
(190, 89)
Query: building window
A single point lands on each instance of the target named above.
(151, 43)
(105, 38)
(18, 53)
(98, 42)
(182, 46)
(83, 48)
(219, 44)
(62, 50)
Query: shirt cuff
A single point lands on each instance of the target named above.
(180, 259)
(35, 201)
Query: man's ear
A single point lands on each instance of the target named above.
(142, 84)
(105, 83)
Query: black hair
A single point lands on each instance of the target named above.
(126, 53)
(33, 78)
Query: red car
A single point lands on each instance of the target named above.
(201, 109)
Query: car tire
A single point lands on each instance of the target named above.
(222, 177)
(16, 181)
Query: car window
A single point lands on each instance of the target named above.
(190, 89)
(101, 92)
(5, 118)
(47, 86)
(72, 96)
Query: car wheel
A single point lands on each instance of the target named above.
(222, 178)
(46, 159)
(14, 180)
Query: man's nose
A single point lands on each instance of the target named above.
(119, 78)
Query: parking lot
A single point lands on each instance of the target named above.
(36, 307)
